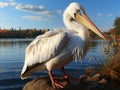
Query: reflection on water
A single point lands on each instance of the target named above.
(12, 57)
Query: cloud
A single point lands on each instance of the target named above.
(28, 8)
(36, 18)
(109, 15)
(3, 4)
(100, 14)
(59, 11)
(13, 3)
(31, 8)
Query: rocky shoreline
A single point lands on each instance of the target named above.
(94, 82)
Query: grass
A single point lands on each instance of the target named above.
(110, 67)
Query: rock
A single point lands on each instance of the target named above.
(103, 81)
(93, 78)
(45, 84)
(89, 71)
(83, 77)
(39, 84)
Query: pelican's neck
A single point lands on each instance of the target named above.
(73, 25)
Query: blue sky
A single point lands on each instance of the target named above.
(47, 14)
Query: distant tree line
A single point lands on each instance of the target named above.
(27, 33)
(13, 33)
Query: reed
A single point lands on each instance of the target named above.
(110, 67)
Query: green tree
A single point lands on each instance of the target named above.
(116, 29)
(117, 25)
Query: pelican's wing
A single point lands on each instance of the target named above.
(45, 47)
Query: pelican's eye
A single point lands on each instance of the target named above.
(80, 12)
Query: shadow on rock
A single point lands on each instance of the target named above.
(45, 84)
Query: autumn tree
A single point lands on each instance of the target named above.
(12, 33)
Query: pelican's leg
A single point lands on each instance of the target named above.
(56, 84)
(65, 74)
(74, 81)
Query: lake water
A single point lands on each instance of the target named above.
(12, 53)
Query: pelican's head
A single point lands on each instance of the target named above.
(76, 13)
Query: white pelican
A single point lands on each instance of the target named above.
(56, 48)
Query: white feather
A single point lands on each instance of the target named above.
(45, 48)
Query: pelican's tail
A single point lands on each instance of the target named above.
(23, 73)
(27, 70)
